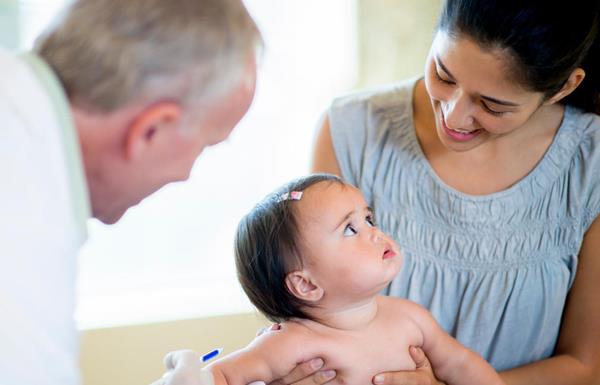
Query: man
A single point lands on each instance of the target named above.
(119, 99)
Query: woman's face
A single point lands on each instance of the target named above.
(473, 96)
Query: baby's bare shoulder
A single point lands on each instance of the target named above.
(399, 310)
(399, 306)
(288, 331)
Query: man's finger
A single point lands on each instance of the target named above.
(271, 328)
(180, 357)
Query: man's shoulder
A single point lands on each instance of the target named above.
(12, 70)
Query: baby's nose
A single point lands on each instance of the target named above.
(376, 235)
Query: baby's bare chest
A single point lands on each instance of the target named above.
(358, 357)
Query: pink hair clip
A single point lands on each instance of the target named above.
(290, 196)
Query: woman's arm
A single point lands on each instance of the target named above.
(452, 362)
(323, 157)
(576, 360)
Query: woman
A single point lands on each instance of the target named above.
(487, 173)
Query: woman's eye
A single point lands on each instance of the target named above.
(442, 80)
(349, 230)
(370, 220)
(490, 111)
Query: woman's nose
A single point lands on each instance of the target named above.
(458, 112)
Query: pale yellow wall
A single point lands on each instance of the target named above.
(133, 354)
(394, 38)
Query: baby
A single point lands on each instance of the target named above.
(311, 257)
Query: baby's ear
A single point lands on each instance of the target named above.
(302, 286)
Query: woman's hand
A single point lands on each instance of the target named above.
(422, 375)
(304, 374)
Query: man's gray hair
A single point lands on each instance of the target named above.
(109, 53)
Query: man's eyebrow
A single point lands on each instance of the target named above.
(485, 97)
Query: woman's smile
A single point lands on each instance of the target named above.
(457, 134)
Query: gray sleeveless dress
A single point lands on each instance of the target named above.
(494, 270)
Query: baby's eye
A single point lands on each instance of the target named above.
(370, 220)
(349, 230)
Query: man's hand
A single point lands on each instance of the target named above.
(184, 368)
(422, 375)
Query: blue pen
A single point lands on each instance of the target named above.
(211, 354)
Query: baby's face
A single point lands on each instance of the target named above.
(347, 254)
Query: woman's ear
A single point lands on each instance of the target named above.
(570, 85)
(300, 284)
(156, 120)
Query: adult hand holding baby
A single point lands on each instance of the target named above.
(422, 375)
(183, 369)
(307, 374)
(304, 374)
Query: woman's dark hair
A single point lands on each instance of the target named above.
(547, 40)
(267, 248)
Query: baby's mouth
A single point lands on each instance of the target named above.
(389, 253)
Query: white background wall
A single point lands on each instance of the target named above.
(172, 256)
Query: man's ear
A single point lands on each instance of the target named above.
(571, 84)
(300, 284)
(157, 119)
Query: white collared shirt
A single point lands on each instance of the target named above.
(44, 205)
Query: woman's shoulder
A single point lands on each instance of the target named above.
(372, 130)
(583, 129)
(377, 99)
(365, 116)
(580, 154)
(585, 122)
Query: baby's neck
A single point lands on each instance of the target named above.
(354, 317)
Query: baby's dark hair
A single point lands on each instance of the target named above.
(547, 40)
(267, 248)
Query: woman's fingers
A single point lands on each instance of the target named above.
(422, 375)
(304, 374)
(402, 378)
(418, 355)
